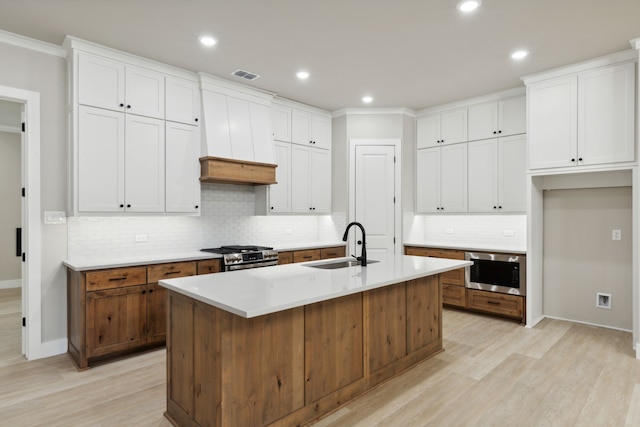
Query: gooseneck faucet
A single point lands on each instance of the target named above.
(363, 255)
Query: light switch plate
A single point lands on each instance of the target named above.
(140, 238)
(55, 217)
(616, 234)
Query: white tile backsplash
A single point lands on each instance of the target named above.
(508, 232)
(227, 217)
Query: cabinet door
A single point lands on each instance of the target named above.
(100, 160)
(182, 149)
(262, 137)
(144, 164)
(483, 175)
(606, 115)
(512, 176)
(552, 111)
(182, 101)
(321, 131)
(428, 131)
(454, 126)
(453, 178)
(512, 116)
(483, 121)
(300, 127)
(320, 180)
(100, 82)
(116, 319)
(144, 92)
(281, 122)
(300, 178)
(428, 180)
(156, 313)
(280, 193)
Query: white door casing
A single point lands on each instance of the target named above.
(374, 182)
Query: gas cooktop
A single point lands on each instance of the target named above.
(235, 249)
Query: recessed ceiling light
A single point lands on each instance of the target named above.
(519, 54)
(302, 75)
(468, 5)
(208, 40)
(367, 99)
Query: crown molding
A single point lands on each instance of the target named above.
(372, 111)
(32, 44)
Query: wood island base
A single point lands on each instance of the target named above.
(291, 367)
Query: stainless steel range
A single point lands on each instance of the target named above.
(244, 257)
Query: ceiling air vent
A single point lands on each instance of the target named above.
(245, 75)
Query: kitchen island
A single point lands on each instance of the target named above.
(284, 345)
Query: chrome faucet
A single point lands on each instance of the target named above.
(363, 255)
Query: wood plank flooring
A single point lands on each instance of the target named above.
(492, 373)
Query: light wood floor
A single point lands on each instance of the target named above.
(492, 373)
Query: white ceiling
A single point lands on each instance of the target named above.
(404, 53)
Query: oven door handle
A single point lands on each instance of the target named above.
(253, 265)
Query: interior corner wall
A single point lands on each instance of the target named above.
(35, 71)
(10, 212)
(580, 258)
(339, 165)
(408, 163)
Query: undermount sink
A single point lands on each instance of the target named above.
(339, 264)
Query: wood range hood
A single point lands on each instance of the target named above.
(232, 171)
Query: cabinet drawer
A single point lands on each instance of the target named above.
(337, 252)
(115, 278)
(454, 295)
(454, 277)
(285, 258)
(493, 302)
(415, 251)
(304, 256)
(170, 271)
(209, 266)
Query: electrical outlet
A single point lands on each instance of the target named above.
(140, 238)
(508, 233)
(288, 231)
(616, 234)
(448, 231)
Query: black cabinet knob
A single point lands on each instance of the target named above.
(499, 131)
(494, 132)
(150, 291)
(499, 207)
(359, 242)
(196, 119)
(144, 292)
(122, 206)
(128, 106)
(579, 159)
(197, 206)
(271, 207)
(495, 207)
(573, 160)
(128, 206)
(121, 105)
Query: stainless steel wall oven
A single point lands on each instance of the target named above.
(505, 273)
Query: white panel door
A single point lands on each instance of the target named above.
(182, 150)
(552, 111)
(453, 178)
(375, 199)
(280, 193)
(454, 126)
(100, 160)
(512, 177)
(483, 121)
(321, 131)
(428, 131)
(144, 164)
(483, 175)
(216, 125)
(101, 82)
(300, 178)
(428, 180)
(240, 129)
(606, 119)
(182, 100)
(262, 136)
(320, 180)
(144, 92)
(512, 116)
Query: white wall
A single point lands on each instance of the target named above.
(10, 209)
(580, 258)
(44, 73)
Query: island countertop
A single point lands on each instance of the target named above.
(259, 291)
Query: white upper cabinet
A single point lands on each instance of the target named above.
(310, 179)
(310, 129)
(442, 179)
(497, 118)
(280, 193)
(281, 122)
(442, 128)
(182, 150)
(110, 84)
(320, 181)
(497, 178)
(182, 100)
(582, 119)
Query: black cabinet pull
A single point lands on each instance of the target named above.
(493, 302)
(18, 241)
(579, 159)
(117, 279)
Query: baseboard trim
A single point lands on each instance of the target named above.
(590, 324)
(10, 284)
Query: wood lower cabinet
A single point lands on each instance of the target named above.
(289, 257)
(497, 303)
(337, 252)
(454, 295)
(119, 310)
(306, 255)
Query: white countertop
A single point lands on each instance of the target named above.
(259, 291)
(468, 248)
